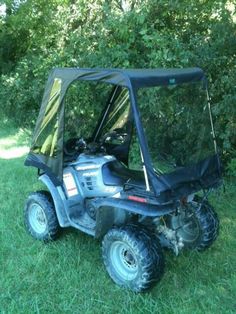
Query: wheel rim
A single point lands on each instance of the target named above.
(186, 226)
(123, 260)
(37, 218)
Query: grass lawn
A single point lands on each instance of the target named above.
(68, 276)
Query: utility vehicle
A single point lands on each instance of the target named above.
(128, 157)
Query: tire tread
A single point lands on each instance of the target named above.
(151, 258)
(45, 200)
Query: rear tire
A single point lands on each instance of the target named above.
(197, 225)
(40, 216)
(133, 257)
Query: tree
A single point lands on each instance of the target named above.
(37, 35)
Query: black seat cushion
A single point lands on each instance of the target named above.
(115, 173)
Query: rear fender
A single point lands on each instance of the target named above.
(58, 197)
(108, 208)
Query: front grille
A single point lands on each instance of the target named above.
(90, 183)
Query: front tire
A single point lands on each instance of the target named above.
(40, 216)
(133, 257)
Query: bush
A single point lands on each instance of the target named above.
(231, 168)
(40, 35)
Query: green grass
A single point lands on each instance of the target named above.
(68, 276)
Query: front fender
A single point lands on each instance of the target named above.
(58, 197)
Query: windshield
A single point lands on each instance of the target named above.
(118, 115)
(84, 104)
(177, 125)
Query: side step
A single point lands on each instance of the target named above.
(79, 218)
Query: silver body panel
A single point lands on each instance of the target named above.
(88, 177)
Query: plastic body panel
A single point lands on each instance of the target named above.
(59, 199)
(87, 172)
(86, 184)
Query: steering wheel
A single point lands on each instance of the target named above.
(115, 137)
(73, 146)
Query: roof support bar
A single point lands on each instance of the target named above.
(212, 125)
(144, 171)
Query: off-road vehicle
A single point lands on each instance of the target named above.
(131, 164)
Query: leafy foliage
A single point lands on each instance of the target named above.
(36, 36)
(231, 168)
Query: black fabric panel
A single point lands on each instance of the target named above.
(40, 162)
(182, 182)
(197, 172)
(138, 77)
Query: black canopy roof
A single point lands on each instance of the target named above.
(46, 152)
(136, 77)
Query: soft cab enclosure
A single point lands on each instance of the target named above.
(122, 154)
(47, 148)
